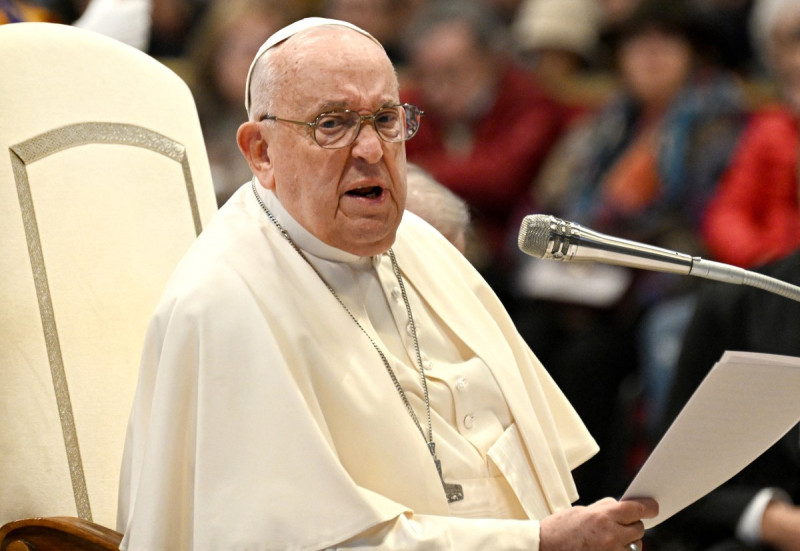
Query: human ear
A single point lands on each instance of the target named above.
(255, 149)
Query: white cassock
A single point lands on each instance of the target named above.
(265, 419)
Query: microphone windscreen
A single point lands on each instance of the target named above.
(534, 234)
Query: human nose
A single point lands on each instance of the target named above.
(368, 145)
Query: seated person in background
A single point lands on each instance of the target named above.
(326, 370)
(643, 169)
(760, 507)
(645, 166)
(558, 41)
(488, 124)
(386, 20)
(755, 215)
(220, 50)
(438, 206)
(128, 21)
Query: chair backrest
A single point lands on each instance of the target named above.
(104, 183)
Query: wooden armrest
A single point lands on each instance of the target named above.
(57, 534)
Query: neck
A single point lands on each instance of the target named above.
(300, 235)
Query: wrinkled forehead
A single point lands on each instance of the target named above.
(286, 33)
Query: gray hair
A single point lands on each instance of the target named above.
(763, 19)
(269, 74)
(487, 28)
(436, 204)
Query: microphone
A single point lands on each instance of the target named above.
(548, 237)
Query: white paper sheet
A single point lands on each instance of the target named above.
(746, 403)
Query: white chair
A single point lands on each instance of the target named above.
(104, 183)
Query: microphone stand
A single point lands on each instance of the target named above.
(732, 274)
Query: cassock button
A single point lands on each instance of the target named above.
(410, 329)
(426, 364)
(461, 384)
(469, 420)
(396, 294)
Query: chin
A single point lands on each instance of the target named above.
(376, 248)
(369, 246)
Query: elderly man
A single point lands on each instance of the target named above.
(327, 371)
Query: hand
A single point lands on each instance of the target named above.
(607, 525)
(780, 526)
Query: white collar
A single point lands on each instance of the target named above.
(304, 239)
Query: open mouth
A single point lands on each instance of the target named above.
(372, 192)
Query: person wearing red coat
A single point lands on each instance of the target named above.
(510, 141)
(755, 215)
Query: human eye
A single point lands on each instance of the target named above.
(334, 122)
(387, 118)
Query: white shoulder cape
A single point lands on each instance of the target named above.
(263, 419)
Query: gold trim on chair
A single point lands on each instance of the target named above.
(37, 148)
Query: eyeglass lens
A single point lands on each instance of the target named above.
(340, 128)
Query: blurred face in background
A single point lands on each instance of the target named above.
(614, 11)
(655, 65)
(785, 50)
(374, 16)
(506, 9)
(237, 47)
(455, 75)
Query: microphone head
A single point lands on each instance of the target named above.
(535, 233)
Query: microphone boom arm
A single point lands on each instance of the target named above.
(733, 274)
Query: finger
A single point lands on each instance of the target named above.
(633, 532)
(606, 502)
(651, 507)
(632, 510)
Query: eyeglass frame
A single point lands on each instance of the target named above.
(312, 126)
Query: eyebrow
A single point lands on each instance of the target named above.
(337, 105)
(331, 105)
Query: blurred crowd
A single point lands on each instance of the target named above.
(669, 122)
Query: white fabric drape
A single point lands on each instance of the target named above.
(264, 420)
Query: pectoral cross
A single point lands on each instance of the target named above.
(453, 492)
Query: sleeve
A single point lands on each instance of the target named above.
(125, 20)
(223, 451)
(732, 226)
(713, 518)
(748, 529)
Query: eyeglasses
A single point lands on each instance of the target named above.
(338, 129)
